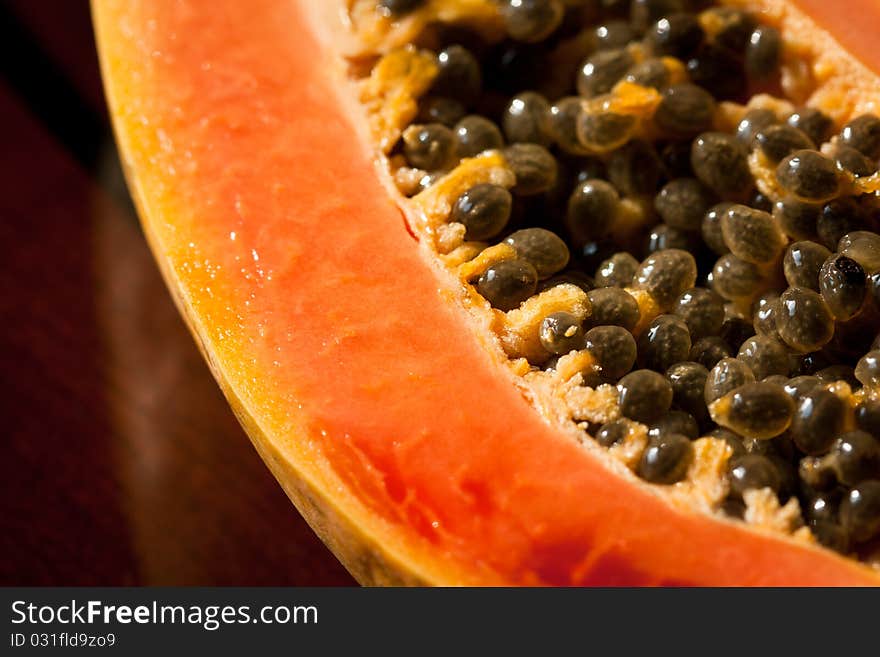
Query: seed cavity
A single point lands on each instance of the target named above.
(688, 275)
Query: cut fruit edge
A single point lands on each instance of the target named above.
(403, 442)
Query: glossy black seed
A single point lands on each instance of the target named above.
(508, 283)
(808, 175)
(684, 111)
(601, 131)
(813, 122)
(635, 168)
(644, 396)
(613, 35)
(735, 331)
(733, 278)
(799, 386)
(682, 203)
(797, 219)
(474, 134)
(778, 448)
(702, 310)
(763, 52)
(592, 254)
(755, 410)
(709, 350)
(613, 306)
(853, 338)
(855, 457)
(802, 263)
(834, 373)
(869, 208)
(675, 422)
(614, 432)
(688, 380)
(868, 211)
(560, 333)
(666, 275)
(752, 123)
(617, 271)
(719, 71)
(512, 66)
(541, 247)
(778, 141)
(814, 472)
(589, 168)
(666, 459)
(651, 72)
(614, 349)
(804, 321)
(531, 20)
(720, 162)
(645, 12)
(867, 370)
(592, 208)
(764, 311)
(752, 235)
(823, 506)
(710, 228)
(849, 159)
(732, 27)
(398, 8)
(863, 134)
(534, 167)
(428, 146)
(665, 342)
(676, 158)
(819, 417)
(664, 237)
(860, 511)
(602, 70)
(675, 35)
(761, 202)
(843, 285)
(564, 115)
(839, 216)
(831, 535)
(527, 119)
(868, 416)
(803, 364)
(458, 75)
(822, 514)
(439, 109)
(727, 375)
(752, 471)
(733, 439)
(862, 246)
(484, 210)
(765, 356)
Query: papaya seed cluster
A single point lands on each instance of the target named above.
(710, 251)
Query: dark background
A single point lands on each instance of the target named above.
(122, 463)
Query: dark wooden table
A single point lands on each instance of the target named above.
(122, 463)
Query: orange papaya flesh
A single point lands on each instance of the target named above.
(854, 26)
(337, 339)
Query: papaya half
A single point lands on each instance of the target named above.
(256, 137)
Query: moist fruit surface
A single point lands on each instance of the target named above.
(673, 178)
(594, 228)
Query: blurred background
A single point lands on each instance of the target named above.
(122, 463)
